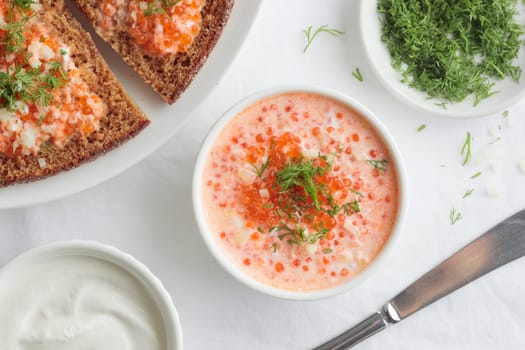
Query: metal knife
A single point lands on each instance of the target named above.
(503, 243)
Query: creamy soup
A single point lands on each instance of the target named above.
(300, 191)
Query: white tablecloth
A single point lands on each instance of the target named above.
(147, 212)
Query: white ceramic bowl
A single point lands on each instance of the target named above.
(509, 93)
(222, 256)
(112, 255)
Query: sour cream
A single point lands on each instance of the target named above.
(77, 303)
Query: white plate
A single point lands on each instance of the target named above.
(165, 120)
(509, 91)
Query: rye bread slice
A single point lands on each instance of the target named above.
(168, 75)
(123, 120)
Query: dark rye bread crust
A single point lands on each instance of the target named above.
(168, 75)
(123, 120)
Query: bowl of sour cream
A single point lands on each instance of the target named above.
(84, 295)
(299, 192)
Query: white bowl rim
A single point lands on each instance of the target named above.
(476, 112)
(222, 257)
(92, 249)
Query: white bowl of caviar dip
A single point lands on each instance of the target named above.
(82, 295)
(508, 92)
(212, 240)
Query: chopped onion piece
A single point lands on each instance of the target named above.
(311, 248)
(42, 162)
(263, 192)
(494, 131)
(493, 190)
(521, 165)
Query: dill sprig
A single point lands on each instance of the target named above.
(260, 170)
(465, 150)
(478, 174)
(30, 85)
(322, 29)
(159, 6)
(455, 216)
(468, 193)
(301, 173)
(298, 235)
(23, 4)
(303, 197)
(381, 165)
(14, 29)
(451, 49)
(357, 74)
(25, 84)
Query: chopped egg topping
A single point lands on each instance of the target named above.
(160, 26)
(43, 99)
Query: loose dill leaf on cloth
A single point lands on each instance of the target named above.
(322, 29)
(451, 49)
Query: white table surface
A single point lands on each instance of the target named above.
(146, 211)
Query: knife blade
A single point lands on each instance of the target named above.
(500, 245)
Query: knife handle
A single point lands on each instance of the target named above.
(372, 325)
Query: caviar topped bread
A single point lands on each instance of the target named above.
(60, 105)
(165, 41)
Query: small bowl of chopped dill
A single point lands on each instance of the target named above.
(458, 58)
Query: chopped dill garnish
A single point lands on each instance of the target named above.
(381, 165)
(505, 114)
(322, 29)
(14, 30)
(478, 174)
(465, 151)
(303, 199)
(41, 119)
(452, 49)
(357, 74)
(29, 86)
(159, 6)
(19, 84)
(301, 173)
(328, 250)
(421, 127)
(298, 234)
(44, 148)
(264, 166)
(468, 193)
(351, 207)
(455, 216)
(357, 193)
(23, 4)
(347, 208)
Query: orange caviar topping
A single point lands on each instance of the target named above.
(290, 211)
(279, 267)
(159, 26)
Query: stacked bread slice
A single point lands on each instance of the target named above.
(168, 74)
(122, 120)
